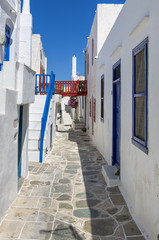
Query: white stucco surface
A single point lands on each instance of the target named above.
(39, 60)
(17, 86)
(8, 152)
(139, 171)
(19, 77)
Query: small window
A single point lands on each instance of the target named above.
(102, 97)
(140, 82)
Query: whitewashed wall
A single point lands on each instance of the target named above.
(104, 19)
(38, 55)
(17, 86)
(12, 20)
(139, 172)
(8, 149)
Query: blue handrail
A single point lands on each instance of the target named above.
(50, 92)
(1, 64)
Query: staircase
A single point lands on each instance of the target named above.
(36, 111)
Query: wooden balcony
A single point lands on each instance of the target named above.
(64, 88)
(71, 88)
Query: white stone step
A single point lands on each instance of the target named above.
(35, 144)
(109, 173)
(34, 134)
(37, 109)
(34, 156)
(38, 104)
(35, 125)
(35, 116)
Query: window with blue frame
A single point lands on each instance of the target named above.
(7, 44)
(140, 96)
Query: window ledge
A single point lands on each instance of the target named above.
(140, 146)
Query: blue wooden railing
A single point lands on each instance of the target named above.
(50, 91)
(42, 83)
(1, 64)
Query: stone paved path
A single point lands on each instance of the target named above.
(66, 198)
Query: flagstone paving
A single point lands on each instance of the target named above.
(66, 198)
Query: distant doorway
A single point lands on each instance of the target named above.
(20, 133)
(116, 114)
(92, 115)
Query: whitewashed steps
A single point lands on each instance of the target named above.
(34, 155)
(36, 111)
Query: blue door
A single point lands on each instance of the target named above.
(116, 115)
(7, 44)
(20, 132)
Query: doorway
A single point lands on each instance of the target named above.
(20, 133)
(116, 113)
(92, 115)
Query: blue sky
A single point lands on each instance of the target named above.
(64, 27)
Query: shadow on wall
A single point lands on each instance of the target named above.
(68, 109)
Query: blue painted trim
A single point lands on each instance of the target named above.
(116, 65)
(1, 64)
(40, 80)
(140, 146)
(43, 74)
(7, 44)
(114, 82)
(135, 140)
(51, 91)
(20, 135)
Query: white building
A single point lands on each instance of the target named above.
(17, 87)
(39, 64)
(122, 72)
(80, 111)
(39, 60)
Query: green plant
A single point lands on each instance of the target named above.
(117, 173)
(84, 129)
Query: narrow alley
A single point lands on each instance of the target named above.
(66, 197)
